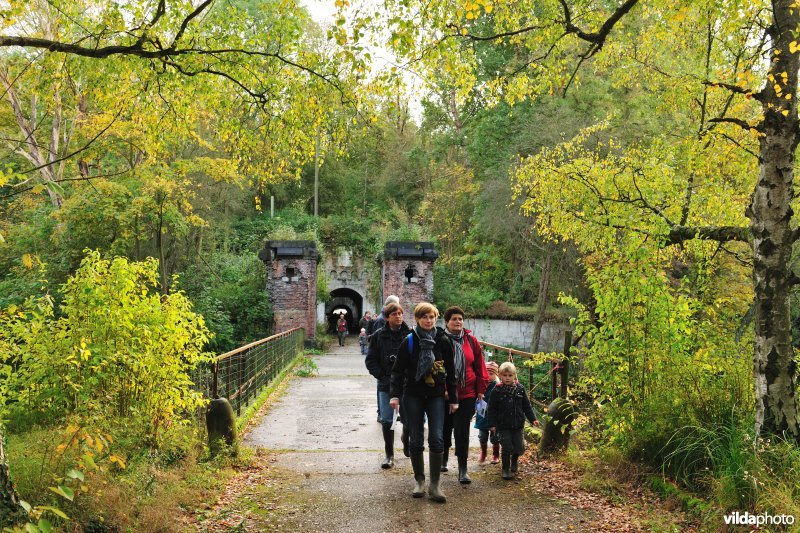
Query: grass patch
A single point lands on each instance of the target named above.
(687, 502)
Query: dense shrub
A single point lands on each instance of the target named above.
(119, 351)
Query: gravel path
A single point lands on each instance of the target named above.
(318, 469)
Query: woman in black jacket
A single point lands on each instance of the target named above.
(383, 347)
(421, 374)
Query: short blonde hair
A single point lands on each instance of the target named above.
(508, 366)
(424, 308)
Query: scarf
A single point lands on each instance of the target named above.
(459, 361)
(426, 357)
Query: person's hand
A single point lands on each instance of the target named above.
(480, 396)
(536, 423)
(453, 408)
(492, 430)
(394, 403)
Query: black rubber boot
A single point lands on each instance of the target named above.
(514, 458)
(435, 461)
(506, 474)
(388, 444)
(445, 455)
(404, 440)
(418, 464)
(463, 478)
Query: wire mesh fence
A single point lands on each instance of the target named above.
(239, 375)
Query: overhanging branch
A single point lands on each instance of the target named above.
(597, 38)
(680, 234)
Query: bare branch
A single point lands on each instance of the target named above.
(739, 122)
(494, 37)
(737, 89)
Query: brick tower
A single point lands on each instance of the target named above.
(407, 272)
(292, 284)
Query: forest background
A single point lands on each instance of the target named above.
(602, 176)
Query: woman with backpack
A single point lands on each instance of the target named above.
(421, 374)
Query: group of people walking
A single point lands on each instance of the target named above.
(439, 374)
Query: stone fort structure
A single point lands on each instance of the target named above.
(355, 285)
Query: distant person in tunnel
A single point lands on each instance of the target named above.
(421, 374)
(341, 329)
(381, 355)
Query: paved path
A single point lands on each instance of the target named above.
(323, 448)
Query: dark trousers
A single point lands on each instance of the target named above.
(512, 441)
(414, 410)
(484, 436)
(459, 423)
(341, 337)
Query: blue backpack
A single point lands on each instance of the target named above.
(410, 343)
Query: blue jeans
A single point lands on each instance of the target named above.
(415, 408)
(385, 410)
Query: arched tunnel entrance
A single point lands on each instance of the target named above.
(350, 301)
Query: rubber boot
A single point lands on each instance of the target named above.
(445, 455)
(514, 465)
(435, 461)
(404, 440)
(463, 478)
(484, 451)
(506, 473)
(388, 444)
(495, 453)
(418, 464)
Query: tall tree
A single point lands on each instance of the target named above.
(723, 65)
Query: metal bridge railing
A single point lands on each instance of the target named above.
(240, 374)
(555, 372)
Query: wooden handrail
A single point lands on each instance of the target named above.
(227, 355)
(514, 351)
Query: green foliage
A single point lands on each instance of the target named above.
(306, 367)
(652, 338)
(228, 290)
(119, 351)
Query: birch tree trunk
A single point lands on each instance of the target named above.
(770, 213)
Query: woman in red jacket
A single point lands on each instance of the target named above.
(471, 381)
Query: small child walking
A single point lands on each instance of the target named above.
(363, 341)
(509, 406)
(481, 423)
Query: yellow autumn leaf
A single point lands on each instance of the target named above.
(785, 112)
(27, 261)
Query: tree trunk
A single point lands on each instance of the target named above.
(541, 301)
(9, 500)
(770, 213)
